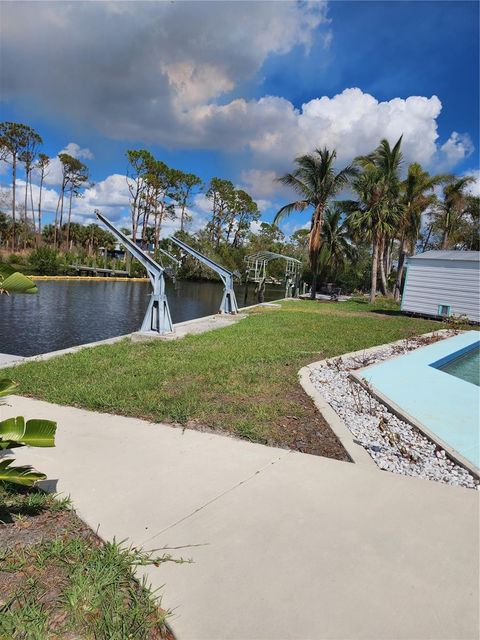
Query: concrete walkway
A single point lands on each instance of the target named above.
(292, 546)
(7, 359)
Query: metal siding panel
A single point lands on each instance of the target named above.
(454, 283)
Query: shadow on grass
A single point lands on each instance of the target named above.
(16, 501)
(389, 312)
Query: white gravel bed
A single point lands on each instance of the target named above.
(394, 444)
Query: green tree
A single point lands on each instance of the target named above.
(383, 166)
(160, 183)
(42, 167)
(28, 157)
(139, 163)
(369, 218)
(58, 223)
(448, 216)
(48, 234)
(244, 211)
(14, 141)
(77, 173)
(316, 181)
(417, 197)
(268, 238)
(221, 193)
(336, 248)
(471, 221)
(185, 186)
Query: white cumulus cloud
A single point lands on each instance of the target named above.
(53, 173)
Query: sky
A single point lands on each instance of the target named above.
(238, 89)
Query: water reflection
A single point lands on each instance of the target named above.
(67, 313)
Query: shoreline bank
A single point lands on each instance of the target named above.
(92, 278)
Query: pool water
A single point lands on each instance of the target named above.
(466, 367)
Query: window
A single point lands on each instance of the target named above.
(444, 310)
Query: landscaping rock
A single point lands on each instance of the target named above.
(395, 445)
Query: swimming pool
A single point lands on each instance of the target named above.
(436, 389)
(465, 366)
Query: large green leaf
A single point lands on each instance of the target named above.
(40, 433)
(18, 283)
(24, 475)
(14, 432)
(7, 386)
(11, 433)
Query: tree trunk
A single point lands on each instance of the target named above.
(314, 247)
(381, 262)
(401, 264)
(146, 215)
(55, 235)
(134, 219)
(313, 292)
(33, 212)
(425, 244)
(25, 217)
(373, 284)
(40, 206)
(69, 218)
(444, 240)
(446, 231)
(158, 227)
(182, 218)
(61, 217)
(388, 257)
(14, 181)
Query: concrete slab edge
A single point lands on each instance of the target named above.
(356, 452)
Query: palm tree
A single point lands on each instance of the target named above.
(372, 217)
(336, 248)
(472, 224)
(315, 181)
(386, 160)
(417, 197)
(450, 212)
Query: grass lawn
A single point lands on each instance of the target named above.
(58, 580)
(241, 379)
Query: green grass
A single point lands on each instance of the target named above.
(69, 587)
(58, 580)
(242, 379)
(19, 502)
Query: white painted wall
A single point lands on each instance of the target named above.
(431, 282)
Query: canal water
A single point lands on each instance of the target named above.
(67, 313)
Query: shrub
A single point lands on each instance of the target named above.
(45, 261)
(16, 258)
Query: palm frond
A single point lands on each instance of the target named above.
(286, 210)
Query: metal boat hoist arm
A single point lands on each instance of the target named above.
(157, 318)
(229, 301)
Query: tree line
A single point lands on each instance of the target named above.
(158, 193)
(20, 146)
(395, 216)
(360, 241)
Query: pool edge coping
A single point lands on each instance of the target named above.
(400, 413)
(452, 453)
(357, 453)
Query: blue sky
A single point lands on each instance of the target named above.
(236, 90)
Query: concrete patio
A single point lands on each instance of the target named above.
(291, 546)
